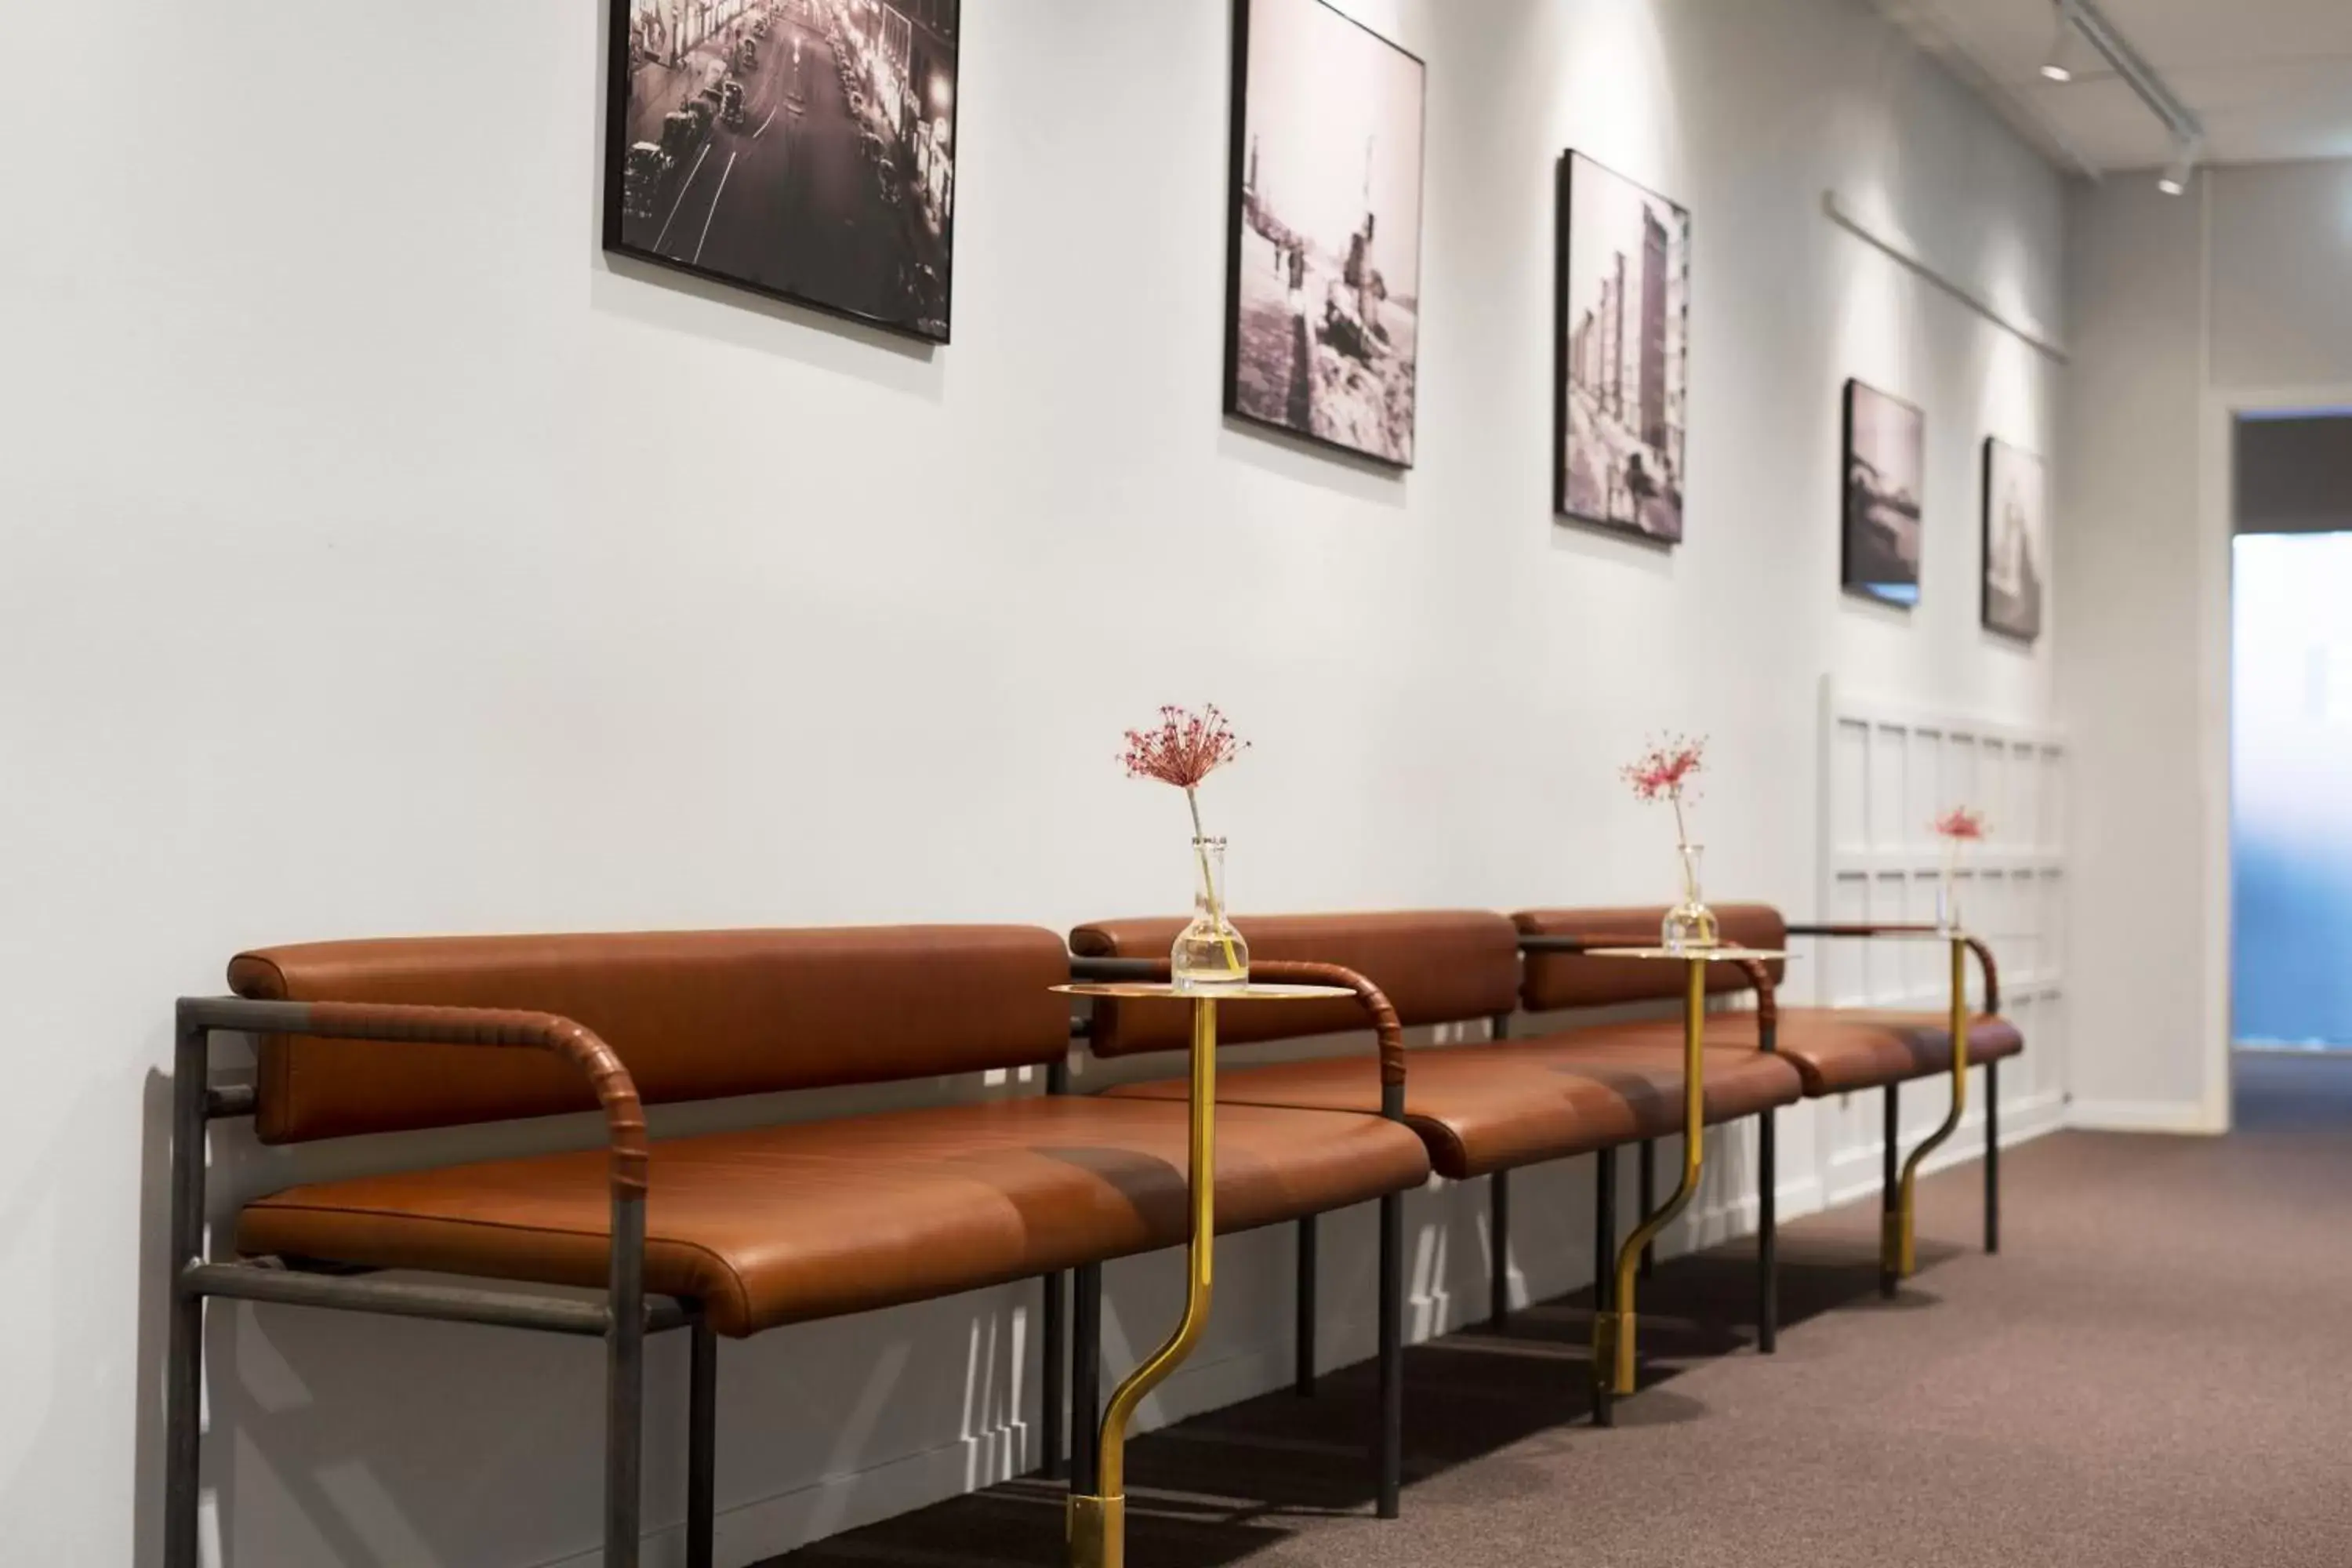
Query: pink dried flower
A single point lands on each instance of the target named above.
(1960, 825)
(1183, 748)
(1665, 770)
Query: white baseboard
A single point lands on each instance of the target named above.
(2178, 1116)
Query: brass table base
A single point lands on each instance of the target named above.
(1897, 1249)
(1612, 1351)
(1898, 1252)
(1097, 1532)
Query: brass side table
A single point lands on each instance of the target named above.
(1613, 1325)
(1097, 1524)
(1898, 1256)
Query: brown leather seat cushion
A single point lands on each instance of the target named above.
(1840, 1049)
(1488, 1107)
(788, 1224)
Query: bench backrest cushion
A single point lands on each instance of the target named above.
(1560, 980)
(693, 1015)
(1437, 967)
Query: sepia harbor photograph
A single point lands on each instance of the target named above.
(1323, 333)
(1885, 472)
(803, 148)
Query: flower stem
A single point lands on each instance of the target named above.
(1208, 881)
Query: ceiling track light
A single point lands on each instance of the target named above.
(2085, 16)
(2056, 68)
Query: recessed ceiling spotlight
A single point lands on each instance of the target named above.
(2056, 68)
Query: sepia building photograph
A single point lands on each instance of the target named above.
(1624, 350)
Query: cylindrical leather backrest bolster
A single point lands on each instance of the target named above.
(1437, 967)
(1561, 980)
(692, 1015)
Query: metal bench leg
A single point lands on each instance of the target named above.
(1604, 1272)
(1498, 1243)
(1390, 1445)
(184, 1356)
(1303, 1379)
(1767, 1235)
(1054, 1378)
(1086, 1377)
(1889, 1203)
(625, 1383)
(702, 1445)
(1992, 1157)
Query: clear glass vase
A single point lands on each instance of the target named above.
(1209, 955)
(1689, 924)
(1948, 889)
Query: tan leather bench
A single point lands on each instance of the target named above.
(1834, 1050)
(1483, 1110)
(721, 1234)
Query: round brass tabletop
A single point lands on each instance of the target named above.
(1162, 991)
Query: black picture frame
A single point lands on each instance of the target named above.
(2013, 611)
(927, 290)
(1571, 345)
(1240, 223)
(1865, 568)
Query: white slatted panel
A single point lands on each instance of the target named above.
(1887, 772)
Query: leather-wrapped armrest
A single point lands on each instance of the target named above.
(495, 1028)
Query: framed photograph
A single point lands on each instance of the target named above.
(1323, 275)
(2016, 539)
(801, 149)
(1885, 470)
(1624, 377)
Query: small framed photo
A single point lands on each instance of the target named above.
(2016, 539)
(1323, 269)
(1621, 384)
(804, 150)
(1885, 467)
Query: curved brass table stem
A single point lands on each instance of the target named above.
(1613, 1331)
(1097, 1525)
(1898, 1251)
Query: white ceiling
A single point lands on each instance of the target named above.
(2272, 80)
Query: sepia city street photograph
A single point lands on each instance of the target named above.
(802, 148)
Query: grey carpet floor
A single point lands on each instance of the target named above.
(2155, 1371)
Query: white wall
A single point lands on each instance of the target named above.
(379, 559)
(2184, 310)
